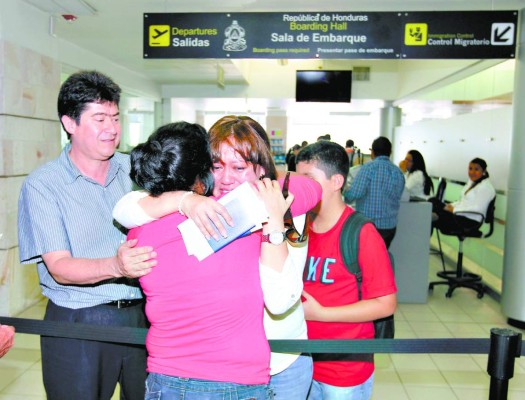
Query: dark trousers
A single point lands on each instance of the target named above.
(447, 221)
(387, 235)
(89, 370)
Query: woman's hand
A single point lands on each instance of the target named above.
(403, 165)
(271, 194)
(205, 212)
(449, 208)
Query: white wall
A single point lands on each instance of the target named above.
(28, 27)
(362, 129)
(449, 144)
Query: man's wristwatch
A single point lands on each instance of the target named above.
(274, 237)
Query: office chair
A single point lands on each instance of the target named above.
(440, 195)
(458, 278)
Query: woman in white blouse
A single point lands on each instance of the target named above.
(472, 206)
(417, 182)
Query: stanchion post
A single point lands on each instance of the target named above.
(505, 346)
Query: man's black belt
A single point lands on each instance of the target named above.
(125, 303)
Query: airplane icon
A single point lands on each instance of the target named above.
(158, 33)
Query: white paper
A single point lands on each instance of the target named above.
(248, 213)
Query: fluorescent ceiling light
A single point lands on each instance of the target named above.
(60, 7)
(349, 113)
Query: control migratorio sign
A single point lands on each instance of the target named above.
(357, 35)
(453, 34)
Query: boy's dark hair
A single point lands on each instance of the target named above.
(331, 158)
(382, 146)
(82, 88)
(349, 143)
(172, 158)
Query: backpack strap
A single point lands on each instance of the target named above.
(349, 245)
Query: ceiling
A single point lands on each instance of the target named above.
(113, 30)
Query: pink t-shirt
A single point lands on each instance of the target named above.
(206, 317)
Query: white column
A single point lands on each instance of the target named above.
(166, 112)
(158, 112)
(513, 293)
(390, 118)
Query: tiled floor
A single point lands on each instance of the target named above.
(398, 376)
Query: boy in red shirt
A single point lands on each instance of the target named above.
(331, 305)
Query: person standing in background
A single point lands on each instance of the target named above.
(417, 182)
(377, 189)
(291, 158)
(350, 150)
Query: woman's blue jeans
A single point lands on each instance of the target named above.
(163, 387)
(294, 382)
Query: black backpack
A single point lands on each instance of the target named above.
(349, 245)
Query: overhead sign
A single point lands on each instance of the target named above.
(451, 34)
(353, 35)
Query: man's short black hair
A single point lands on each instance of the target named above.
(82, 88)
(331, 157)
(173, 158)
(349, 143)
(382, 146)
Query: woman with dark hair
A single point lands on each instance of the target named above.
(173, 158)
(241, 152)
(475, 198)
(206, 334)
(417, 182)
